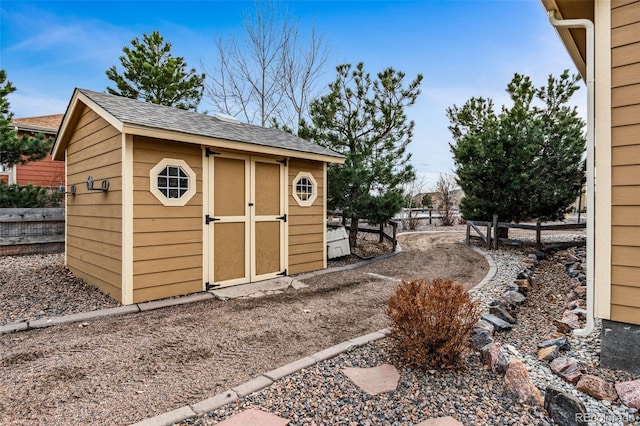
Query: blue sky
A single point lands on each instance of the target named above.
(462, 48)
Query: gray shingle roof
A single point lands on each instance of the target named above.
(134, 112)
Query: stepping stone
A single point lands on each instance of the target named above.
(440, 421)
(253, 416)
(380, 379)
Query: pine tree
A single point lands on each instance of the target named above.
(152, 74)
(13, 149)
(365, 121)
(524, 162)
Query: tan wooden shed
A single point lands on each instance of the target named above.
(164, 202)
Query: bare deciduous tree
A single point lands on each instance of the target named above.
(445, 186)
(269, 77)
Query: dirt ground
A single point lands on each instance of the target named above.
(124, 369)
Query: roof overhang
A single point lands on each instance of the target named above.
(574, 39)
(78, 100)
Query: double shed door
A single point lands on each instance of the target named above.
(248, 218)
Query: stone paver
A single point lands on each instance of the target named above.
(254, 417)
(257, 289)
(440, 421)
(376, 380)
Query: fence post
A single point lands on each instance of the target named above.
(394, 226)
(430, 216)
(381, 231)
(495, 232)
(538, 236)
(488, 235)
(468, 239)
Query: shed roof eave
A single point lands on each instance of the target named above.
(153, 132)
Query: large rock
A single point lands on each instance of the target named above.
(562, 343)
(493, 358)
(517, 383)
(548, 353)
(629, 393)
(567, 368)
(564, 409)
(570, 321)
(502, 313)
(514, 297)
(481, 338)
(483, 325)
(596, 387)
(498, 324)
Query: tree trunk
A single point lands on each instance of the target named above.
(353, 232)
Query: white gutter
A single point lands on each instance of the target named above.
(588, 26)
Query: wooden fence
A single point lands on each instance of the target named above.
(491, 239)
(380, 230)
(30, 231)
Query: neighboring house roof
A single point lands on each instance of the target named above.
(41, 124)
(143, 118)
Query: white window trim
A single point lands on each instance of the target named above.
(153, 182)
(308, 202)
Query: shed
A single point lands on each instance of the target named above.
(164, 202)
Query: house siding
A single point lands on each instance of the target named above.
(94, 218)
(46, 173)
(625, 154)
(306, 224)
(167, 240)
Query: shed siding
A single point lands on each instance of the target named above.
(167, 241)
(625, 154)
(306, 224)
(94, 218)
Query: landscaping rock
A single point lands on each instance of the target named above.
(514, 297)
(548, 353)
(562, 343)
(596, 387)
(501, 313)
(567, 368)
(523, 286)
(564, 409)
(484, 325)
(576, 304)
(629, 393)
(498, 324)
(523, 274)
(493, 358)
(569, 322)
(517, 383)
(580, 291)
(481, 338)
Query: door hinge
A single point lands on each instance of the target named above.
(209, 152)
(283, 161)
(283, 273)
(208, 219)
(209, 286)
(283, 217)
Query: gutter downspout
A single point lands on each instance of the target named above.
(589, 27)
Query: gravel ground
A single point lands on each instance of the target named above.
(37, 286)
(120, 370)
(323, 395)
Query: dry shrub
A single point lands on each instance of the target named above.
(430, 321)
